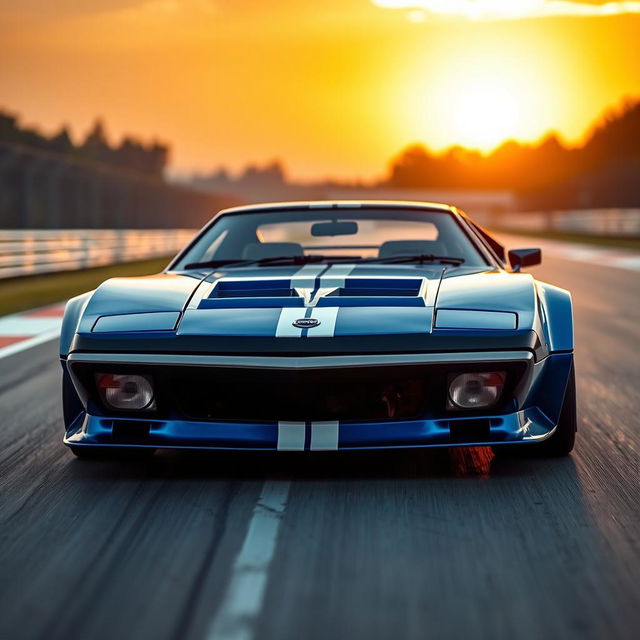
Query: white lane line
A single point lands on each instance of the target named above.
(12, 349)
(291, 436)
(242, 602)
(632, 262)
(324, 435)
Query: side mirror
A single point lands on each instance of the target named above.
(519, 258)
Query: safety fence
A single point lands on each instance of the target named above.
(28, 252)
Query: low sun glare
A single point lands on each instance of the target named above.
(508, 9)
(485, 115)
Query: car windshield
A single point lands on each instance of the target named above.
(300, 235)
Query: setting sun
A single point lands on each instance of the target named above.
(485, 115)
(476, 98)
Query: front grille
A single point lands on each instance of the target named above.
(327, 394)
(372, 393)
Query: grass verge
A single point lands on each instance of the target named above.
(582, 238)
(28, 292)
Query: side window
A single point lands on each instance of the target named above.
(496, 247)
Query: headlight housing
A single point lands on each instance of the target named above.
(475, 390)
(126, 392)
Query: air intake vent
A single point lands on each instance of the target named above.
(253, 289)
(380, 287)
(399, 292)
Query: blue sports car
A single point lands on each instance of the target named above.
(323, 326)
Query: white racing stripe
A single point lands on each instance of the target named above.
(306, 276)
(327, 317)
(334, 278)
(242, 602)
(336, 275)
(291, 436)
(324, 435)
(285, 328)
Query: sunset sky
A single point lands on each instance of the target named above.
(332, 88)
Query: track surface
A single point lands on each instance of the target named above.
(433, 544)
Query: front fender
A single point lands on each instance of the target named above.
(556, 311)
(72, 315)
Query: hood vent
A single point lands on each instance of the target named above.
(366, 292)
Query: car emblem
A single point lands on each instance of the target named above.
(306, 323)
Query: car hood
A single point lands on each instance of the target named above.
(341, 308)
(161, 293)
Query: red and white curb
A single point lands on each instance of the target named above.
(21, 331)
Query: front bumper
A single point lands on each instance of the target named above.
(537, 405)
(530, 425)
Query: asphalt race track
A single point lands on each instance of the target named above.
(429, 544)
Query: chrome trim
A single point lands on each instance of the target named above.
(301, 362)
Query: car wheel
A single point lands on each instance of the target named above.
(563, 438)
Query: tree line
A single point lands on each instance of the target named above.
(48, 182)
(602, 172)
(130, 154)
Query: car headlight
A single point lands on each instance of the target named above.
(125, 392)
(476, 390)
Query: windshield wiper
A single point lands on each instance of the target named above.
(418, 257)
(304, 259)
(307, 259)
(273, 260)
(212, 264)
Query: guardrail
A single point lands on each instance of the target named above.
(28, 252)
(598, 222)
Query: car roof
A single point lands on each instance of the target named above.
(313, 205)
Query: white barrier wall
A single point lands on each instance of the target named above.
(27, 252)
(597, 222)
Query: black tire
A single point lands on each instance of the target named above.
(563, 439)
(111, 453)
